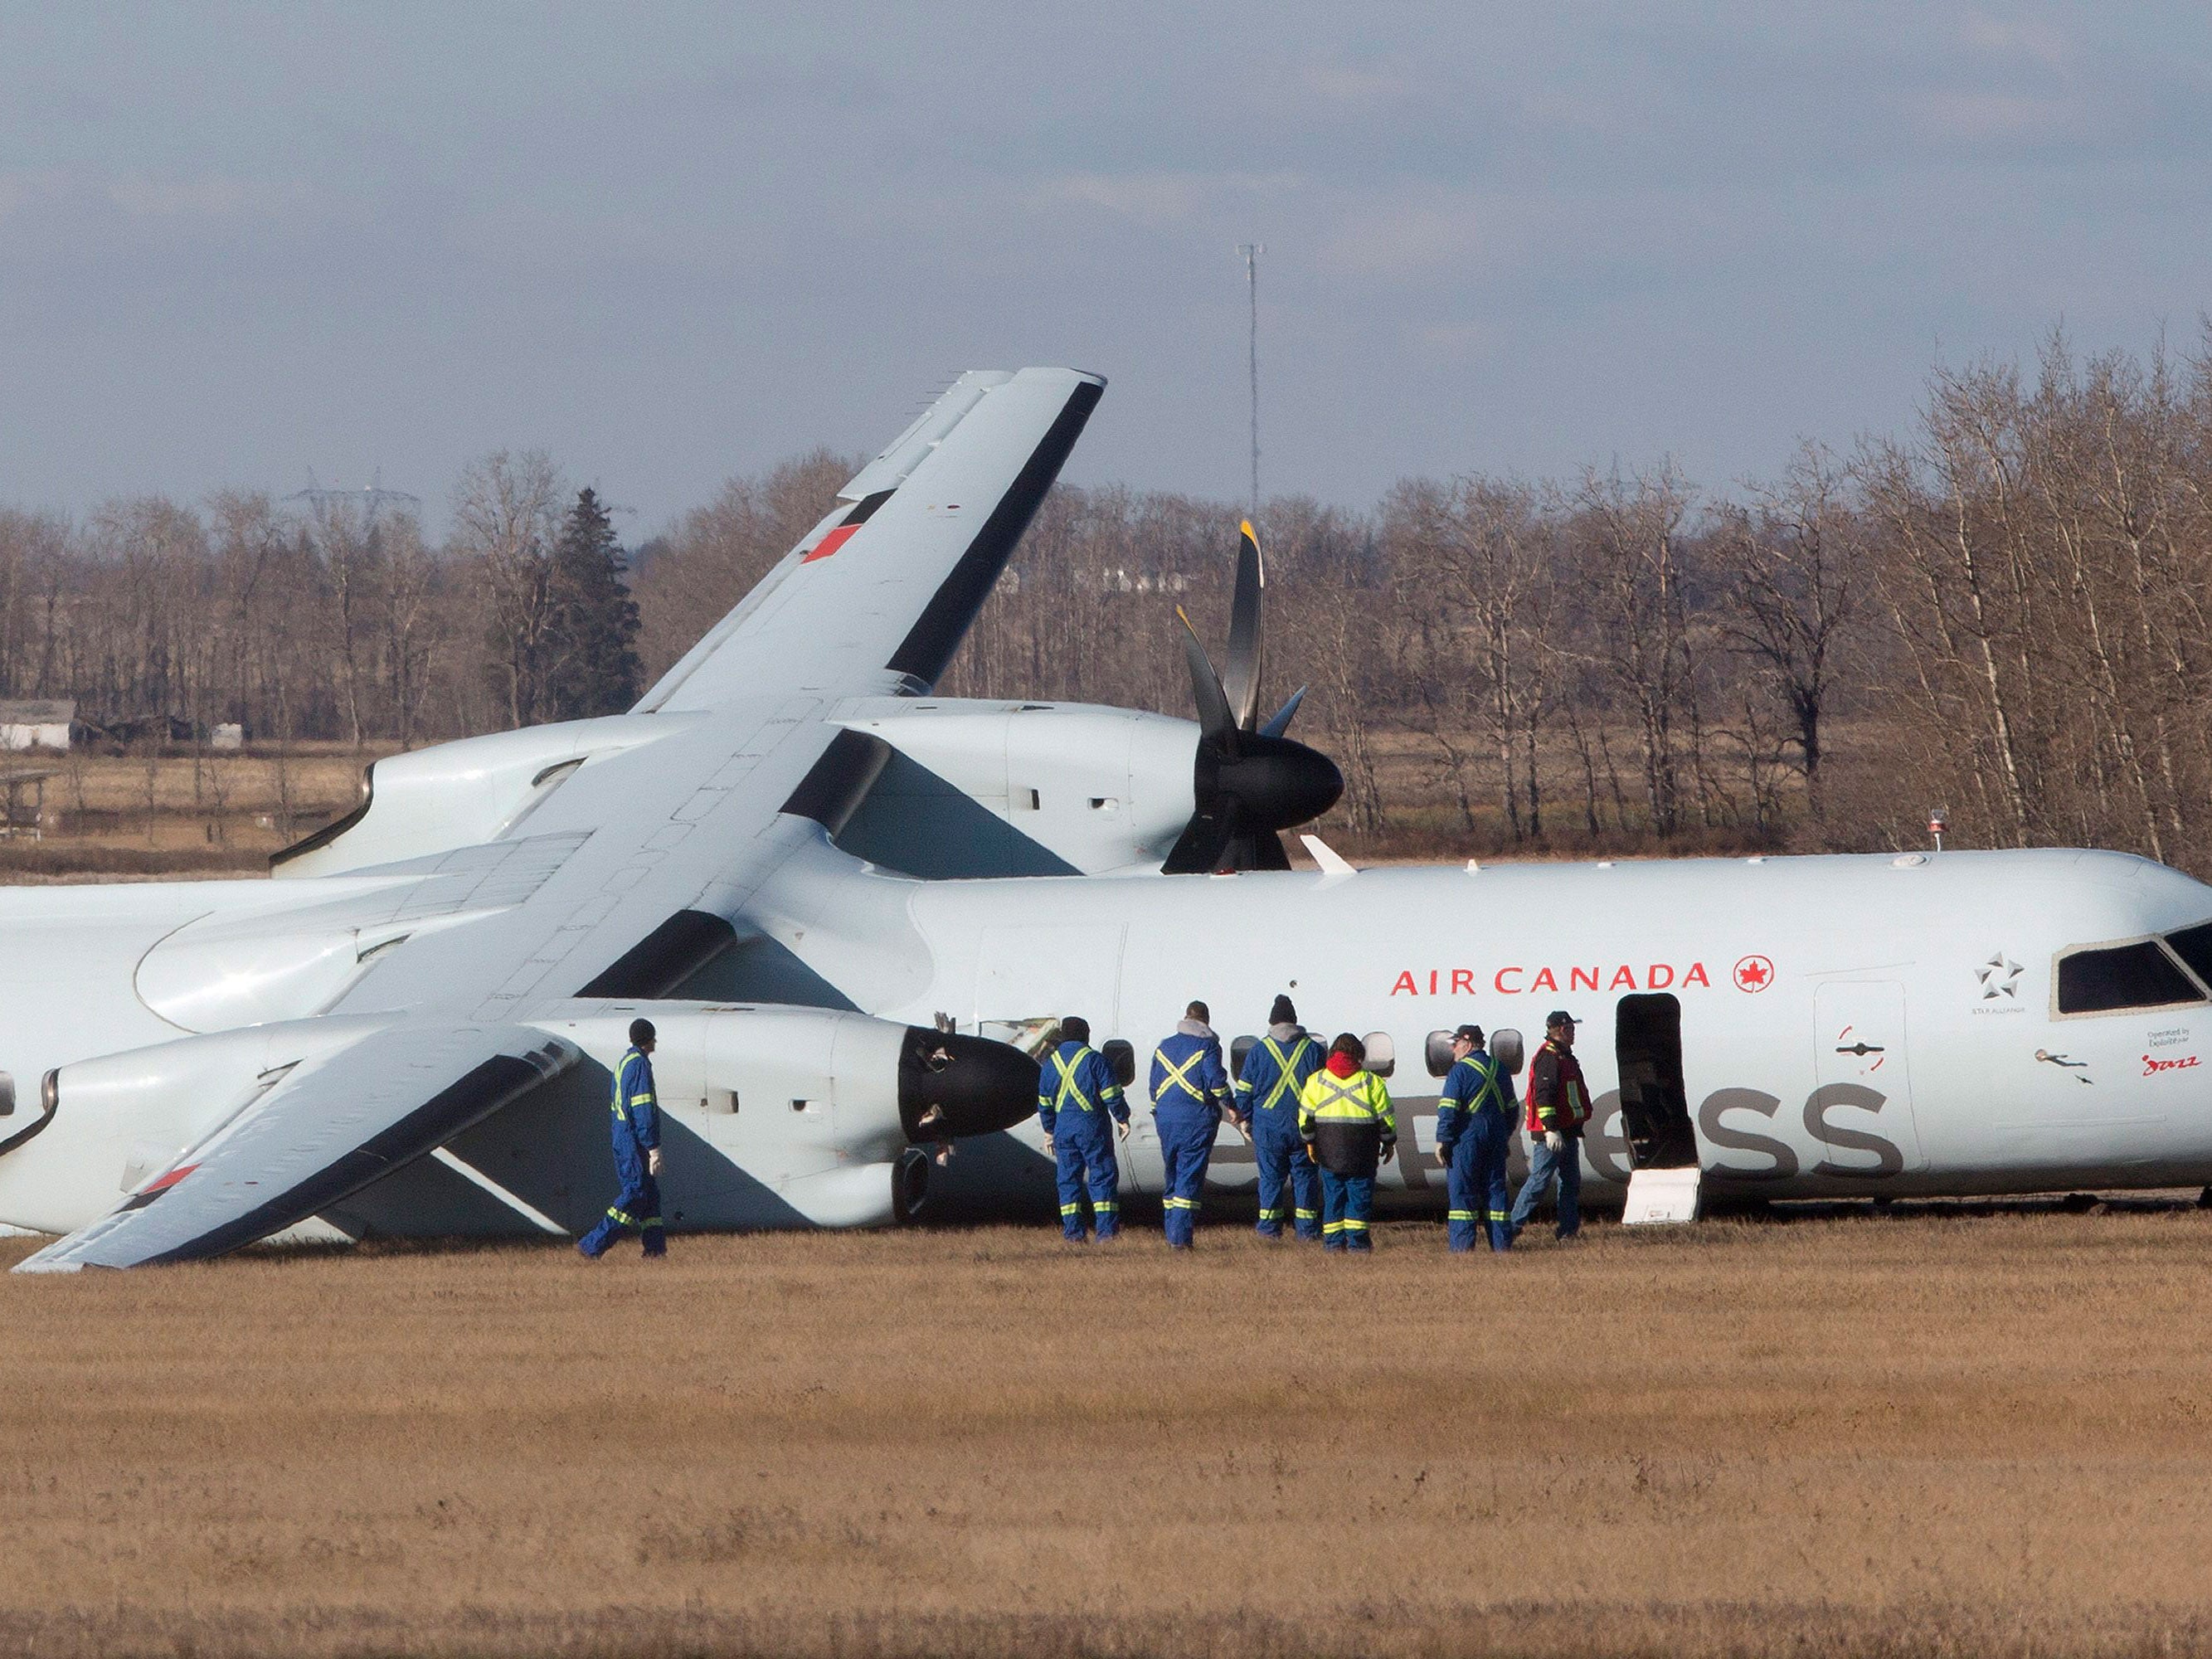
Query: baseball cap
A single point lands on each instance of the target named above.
(1559, 1017)
(1472, 1033)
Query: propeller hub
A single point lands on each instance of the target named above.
(1274, 782)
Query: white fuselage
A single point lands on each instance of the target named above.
(1847, 1024)
(1971, 1081)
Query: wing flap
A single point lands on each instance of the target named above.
(322, 1133)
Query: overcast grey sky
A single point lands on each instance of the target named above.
(670, 242)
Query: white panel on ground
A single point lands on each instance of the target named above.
(1659, 1197)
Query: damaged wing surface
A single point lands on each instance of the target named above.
(328, 1129)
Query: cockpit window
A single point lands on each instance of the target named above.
(2194, 946)
(2112, 977)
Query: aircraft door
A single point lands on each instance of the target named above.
(1655, 1104)
(1861, 1114)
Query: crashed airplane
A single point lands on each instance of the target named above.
(853, 908)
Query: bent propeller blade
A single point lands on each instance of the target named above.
(1241, 672)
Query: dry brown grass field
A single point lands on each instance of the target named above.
(1954, 1432)
(176, 813)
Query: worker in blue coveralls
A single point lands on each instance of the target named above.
(1276, 1068)
(1474, 1127)
(637, 1152)
(1076, 1094)
(1190, 1089)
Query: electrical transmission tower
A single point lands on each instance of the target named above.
(371, 498)
(1252, 251)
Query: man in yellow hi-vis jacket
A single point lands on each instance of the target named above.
(1346, 1121)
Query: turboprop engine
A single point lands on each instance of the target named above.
(835, 1115)
(970, 787)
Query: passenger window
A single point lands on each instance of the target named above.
(2113, 978)
(1507, 1049)
(1241, 1047)
(1381, 1054)
(6, 1095)
(2194, 946)
(1438, 1052)
(1120, 1060)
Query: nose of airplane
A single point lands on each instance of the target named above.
(951, 1085)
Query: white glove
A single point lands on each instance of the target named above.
(1554, 1140)
(1048, 1145)
(653, 1163)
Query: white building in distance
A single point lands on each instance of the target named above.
(38, 723)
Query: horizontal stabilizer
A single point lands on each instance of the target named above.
(325, 1130)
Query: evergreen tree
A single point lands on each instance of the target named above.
(592, 635)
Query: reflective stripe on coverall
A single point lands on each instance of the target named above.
(636, 1132)
(1076, 1093)
(1474, 1127)
(1275, 1072)
(1348, 1123)
(1558, 1099)
(1188, 1086)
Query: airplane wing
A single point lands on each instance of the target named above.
(889, 582)
(326, 1130)
(642, 859)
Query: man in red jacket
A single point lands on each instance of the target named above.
(1559, 1106)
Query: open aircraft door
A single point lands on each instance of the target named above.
(1861, 1114)
(1655, 1102)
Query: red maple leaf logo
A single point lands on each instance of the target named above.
(1753, 974)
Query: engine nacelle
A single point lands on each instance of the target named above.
(821, 1108)
(463, 793)
(976, 788)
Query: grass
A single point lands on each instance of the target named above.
(1924, 1433)
(120, 816)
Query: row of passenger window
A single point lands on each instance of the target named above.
(2169, 973)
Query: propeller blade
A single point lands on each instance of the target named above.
(1241, 673)
(1214, 719)
(1199, 851)
(1267, 852)
(1280, 721)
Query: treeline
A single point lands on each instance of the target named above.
(329, 622)
(2001, 614)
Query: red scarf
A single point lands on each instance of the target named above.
(1342, 1065)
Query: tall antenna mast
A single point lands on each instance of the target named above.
(1252, 251)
